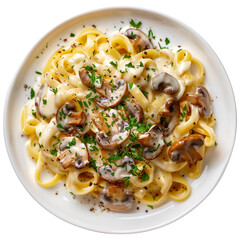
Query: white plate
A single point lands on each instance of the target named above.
(63, 205)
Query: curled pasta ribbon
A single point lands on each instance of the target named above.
(139, 96)
(164, 162)
(28, 121)
(152, 196)
(200, 70)
(121, 44)
(180, 189)
(204, 129)
(33, 147)
(185, 126)
(149, 170)
(82, 181)
(83, 36)
(40, 166)
(163, 179)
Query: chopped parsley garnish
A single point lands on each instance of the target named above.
(167, 41)
(53, 152)
(127, 56)
(115, 64)
(161, 46)
(34, 114)
(150, 34)
(32, 93)
(126, 181)
(54, 90)
(44, 101)
(144, 177)
(72, 35)
(183, 113)
(60, 126)
(136, 25)
(130, 65)
(92, 163)
(131, 85)
(39, 73)
(150, 206)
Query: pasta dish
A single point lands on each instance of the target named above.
(120, 118)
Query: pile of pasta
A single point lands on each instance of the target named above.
(132, 168)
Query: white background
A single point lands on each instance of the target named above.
(23, 23)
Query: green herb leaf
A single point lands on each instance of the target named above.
(136, 25)
(39, 73)
(115, 64)
(72, 35)
(54, 90)
(150, 34)
(130, 65)
(130, 85)
(127, 56)
(92, 163)
(53, 152)
(60, 126)
(32, 93)
(167, 41)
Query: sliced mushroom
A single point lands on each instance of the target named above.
(134, 109)
(167, 120)
(112, 130)
(68, 120)
(185, 149)
(73, 153)
(115, 198)
(153, 142)
(164, 82)
(202, 100)
(139, 39)
(117, 169)
(42, 98)
(110, 95)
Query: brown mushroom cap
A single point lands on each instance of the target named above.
(112, 141)
(153, 142)
(112, 132)
(164, 82)
(68, 120)
(73, 153)
(139, 39)
(116, 199)
(134, 109)
(110, 96)
(117, 169)
(202, 100)
(185, 149)
(167, 120)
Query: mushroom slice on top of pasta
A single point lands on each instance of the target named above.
(73, 153)
(139, 39)
(167, 120)
(164, 82)
(68, 119)
(110, 95)
(186, 149)
(115, 198)
(112, 130)
(153, 142)
(202, 99)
